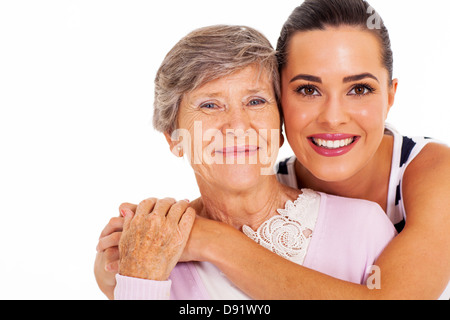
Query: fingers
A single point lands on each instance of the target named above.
(114, 225)
(108, 241)
(127, 210)
(112, 259)
(140, 210)
(186, 222)
(167, 208)
(124, 207)
(146, 206)
(113, 266)
(127, 221)
(163, 206)
(176, 211)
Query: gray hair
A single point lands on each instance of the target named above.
(204, 55)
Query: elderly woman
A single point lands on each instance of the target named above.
(216, 100)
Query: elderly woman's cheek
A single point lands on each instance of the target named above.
(186, 118)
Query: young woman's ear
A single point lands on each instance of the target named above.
(391, 93)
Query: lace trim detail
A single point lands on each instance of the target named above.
(289, 233)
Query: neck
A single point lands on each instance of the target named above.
(251, 206)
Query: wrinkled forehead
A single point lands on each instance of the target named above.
(255, 74)
(252, 78)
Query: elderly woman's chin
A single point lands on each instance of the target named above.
(234, 176)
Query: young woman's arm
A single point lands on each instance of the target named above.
(415, 265)
(259, 272)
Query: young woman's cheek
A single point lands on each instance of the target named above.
(297, 117)
(370, 114)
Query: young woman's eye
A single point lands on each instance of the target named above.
(308, 91)
(256, 102)
(361, 90)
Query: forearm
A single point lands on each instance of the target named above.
(264, 275)
(407, 270)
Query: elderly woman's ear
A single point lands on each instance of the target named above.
(176, 147)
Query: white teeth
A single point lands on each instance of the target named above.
(333, 144)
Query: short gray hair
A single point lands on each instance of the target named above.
(204, 55)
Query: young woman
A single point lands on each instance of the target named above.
(337, 89)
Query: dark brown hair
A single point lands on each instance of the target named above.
(319, 14)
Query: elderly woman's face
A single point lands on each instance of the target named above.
(234, 128)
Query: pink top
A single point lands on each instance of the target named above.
(347, 239)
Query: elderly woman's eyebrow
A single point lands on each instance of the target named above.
(208, 94)
(358, 77)
(221, 94)
(258, 90)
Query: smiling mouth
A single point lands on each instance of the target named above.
(238, 150)
(333, 144)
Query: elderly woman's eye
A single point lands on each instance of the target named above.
(256, 102)
(208, 105)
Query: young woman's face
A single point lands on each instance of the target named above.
(335, 96)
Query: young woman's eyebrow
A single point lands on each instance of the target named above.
(352, 78)
(306, 77)
(358, 77)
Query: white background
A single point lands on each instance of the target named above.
(76, 90)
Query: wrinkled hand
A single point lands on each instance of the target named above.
(153, 240)
(107, 259)
(108, 243)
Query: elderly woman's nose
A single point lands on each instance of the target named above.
(237, 118)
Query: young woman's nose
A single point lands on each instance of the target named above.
(333, 113)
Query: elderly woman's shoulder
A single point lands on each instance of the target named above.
(354, 212)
